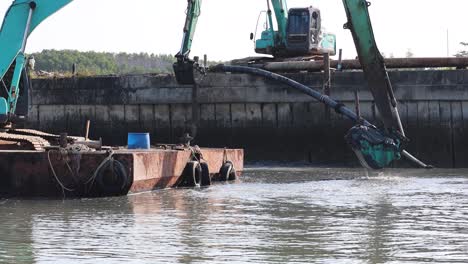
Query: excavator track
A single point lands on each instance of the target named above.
(32, 132)
(47, 136)
(33, 139)
(32, 142)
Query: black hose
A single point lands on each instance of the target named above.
(339, 107)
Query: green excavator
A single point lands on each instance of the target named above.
(299, 33)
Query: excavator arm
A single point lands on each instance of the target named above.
(193, 12)
(184, 67)
(373, 63)
(21, 19)
(375, 148)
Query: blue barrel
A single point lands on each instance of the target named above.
(138, 141)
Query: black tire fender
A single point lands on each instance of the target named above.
(192, 175)
(120, 182)
(205, 174)
(227, 172)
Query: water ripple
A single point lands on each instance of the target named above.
(272, 216)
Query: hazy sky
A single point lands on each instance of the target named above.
(155, 26)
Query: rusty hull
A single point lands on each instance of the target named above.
(28, 173)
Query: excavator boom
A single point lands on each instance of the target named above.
(281, 13)
(21, 19)
(18, 25)
(373, 63)
(375, 148)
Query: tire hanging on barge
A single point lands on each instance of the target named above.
(112, 178)
(205, 174)
(227, 172)
(191, 176)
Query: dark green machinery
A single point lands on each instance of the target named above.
(375, 148)
(299, 34)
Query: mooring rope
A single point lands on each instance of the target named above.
(64, 188)
(103, 163)
(64, 152)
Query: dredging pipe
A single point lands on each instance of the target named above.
(339, 107)
(390, 63)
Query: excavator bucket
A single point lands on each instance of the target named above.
(185, 71)
(374, 149)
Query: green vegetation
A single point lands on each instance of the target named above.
(463, 53)
(101, 63)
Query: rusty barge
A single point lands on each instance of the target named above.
(45, 166)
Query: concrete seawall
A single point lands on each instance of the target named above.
(271, 121)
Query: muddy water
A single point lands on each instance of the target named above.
(271, 216)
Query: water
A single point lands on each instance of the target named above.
(271, 216)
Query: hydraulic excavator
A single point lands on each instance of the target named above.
(299, 33)
(22, 17)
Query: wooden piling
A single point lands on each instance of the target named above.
(326, 81)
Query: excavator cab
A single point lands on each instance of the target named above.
(303, 36)
(304, 33)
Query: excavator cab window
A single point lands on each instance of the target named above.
(298, 26)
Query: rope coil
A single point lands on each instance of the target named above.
(100, 180)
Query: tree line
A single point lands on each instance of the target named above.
(105, 63)
(101, 63)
